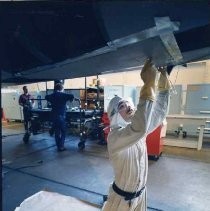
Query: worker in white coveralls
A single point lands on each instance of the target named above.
(127, 140)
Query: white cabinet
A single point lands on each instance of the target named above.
(10, 105)
(119, 90)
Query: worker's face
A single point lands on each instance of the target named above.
(25, 90)
(126, 110)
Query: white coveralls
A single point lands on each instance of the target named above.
(128, 153)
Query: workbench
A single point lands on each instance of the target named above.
(75, 116)
(190, 123)
(87, 121)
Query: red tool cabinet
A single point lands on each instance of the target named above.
(105, 121)
(155, 143)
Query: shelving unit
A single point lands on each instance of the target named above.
(92, 98)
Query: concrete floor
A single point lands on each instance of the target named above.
(179, 180)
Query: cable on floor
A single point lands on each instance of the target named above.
(40, 162)
(4, 136)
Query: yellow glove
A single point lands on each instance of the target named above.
(163, 83)
(148, 75)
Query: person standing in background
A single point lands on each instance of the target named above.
(27, 102)
(58, 102)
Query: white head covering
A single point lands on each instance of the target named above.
(113, 106)
(116, 119)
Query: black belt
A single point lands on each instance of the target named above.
(127, 195)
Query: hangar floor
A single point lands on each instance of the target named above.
(178, 181)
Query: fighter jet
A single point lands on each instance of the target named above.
(42, 41)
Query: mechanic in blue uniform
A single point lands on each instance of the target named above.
(58, 102)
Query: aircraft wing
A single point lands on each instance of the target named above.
(43, 41)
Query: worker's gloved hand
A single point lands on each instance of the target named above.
(163, 83)
(148, 75)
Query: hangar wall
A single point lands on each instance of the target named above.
(194, 73)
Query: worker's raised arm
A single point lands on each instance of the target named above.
(148, 76)
(160, 108)
(140, 121)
